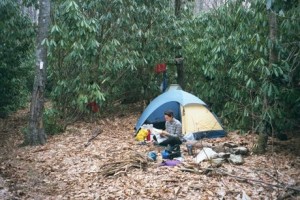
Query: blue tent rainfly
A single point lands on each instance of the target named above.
(193, 113)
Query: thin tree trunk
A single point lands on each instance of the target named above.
(30, 11)
(180, 71)
(178, 8)
(273, 55)
(266, 125)
(178, 58)
(36, 134)
(199, 6)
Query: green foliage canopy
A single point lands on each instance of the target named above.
(17, 42)
(229, 54)
(105, 51)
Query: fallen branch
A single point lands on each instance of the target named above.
(194, 169)
(135, 160)
(287, 194)
(222, 172)
(191, 170)
(96, 132)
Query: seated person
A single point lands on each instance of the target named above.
(173, 130)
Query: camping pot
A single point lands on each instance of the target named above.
(190, 149)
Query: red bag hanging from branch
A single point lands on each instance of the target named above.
(162, 67)
(93, 106)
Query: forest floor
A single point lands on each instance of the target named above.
(114, 166)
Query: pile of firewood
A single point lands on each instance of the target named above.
(133, 160)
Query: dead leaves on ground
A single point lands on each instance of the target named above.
(114, 166)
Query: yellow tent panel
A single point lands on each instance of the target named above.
(197, 118)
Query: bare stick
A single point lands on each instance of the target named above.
(222, 172)
(96, 132)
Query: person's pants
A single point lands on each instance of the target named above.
(171, 141)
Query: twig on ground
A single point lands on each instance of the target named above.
(96, 132)
(135, 160)
(244, 179)
(222, 172)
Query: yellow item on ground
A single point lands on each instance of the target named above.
(142, 135)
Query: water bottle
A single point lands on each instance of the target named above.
(190, 149)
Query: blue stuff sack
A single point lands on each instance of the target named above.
(171, 152)
(165, 154)
(152, 155)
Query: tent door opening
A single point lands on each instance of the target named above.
(157, 117)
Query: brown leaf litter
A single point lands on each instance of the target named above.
(114, 166)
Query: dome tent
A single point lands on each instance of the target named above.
(193, 113)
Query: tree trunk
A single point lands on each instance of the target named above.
(36, 134)
(199, 6)
(180, 71)
(178, 8)
(178, 58)
(30, 11)
(266, 125)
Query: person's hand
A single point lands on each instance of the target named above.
(164, 133)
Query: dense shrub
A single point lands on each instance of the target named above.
(16, 65)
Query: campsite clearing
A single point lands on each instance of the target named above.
(65, 169)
